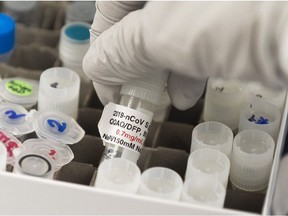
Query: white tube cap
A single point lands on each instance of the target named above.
(251, 162)
(206, 191)
(162, 183)
(57, 126)
(223, 101)
(13, 119)
(118, 174)
(256, 91)
(59, 91)
(20, 91)
(260, 115)
(60, 154)
(208, 163)
(214, 135)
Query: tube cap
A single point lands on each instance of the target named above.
(57, 126)
(252, 157)
(59, 91)
(20, 91)
(150, 88)
(161, 182)
(11, 143)
(7, 33)
(60, 154)
(12, 119)
(37, 165)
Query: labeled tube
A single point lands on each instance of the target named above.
(256, 91)
(223, 101)
(124, 127)
(214, 135)
(162, 183)
(59, 91)
(118, 174)
(260, 115)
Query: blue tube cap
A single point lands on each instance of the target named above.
(7, 33)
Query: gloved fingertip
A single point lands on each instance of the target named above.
(184, 92)
(107, 93)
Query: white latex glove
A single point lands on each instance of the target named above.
(194, 40)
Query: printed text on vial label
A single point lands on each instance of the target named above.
(124, 126)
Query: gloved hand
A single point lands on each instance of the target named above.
(194, 40)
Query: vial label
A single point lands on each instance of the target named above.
(123, 126)
(19, 88)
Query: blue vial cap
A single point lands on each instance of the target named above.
(78, 32)
(7, 33)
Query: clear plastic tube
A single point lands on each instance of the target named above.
(112, 150)
(138, 101)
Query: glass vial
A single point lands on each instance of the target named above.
(142, 96)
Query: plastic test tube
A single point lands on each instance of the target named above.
(73, 45)
(119, 175)
(204, 191)
(256, 91)
(223, 101)
(34, 164)
(59, 91)
(213, 135)
(161, 182)
(251, 162)
(140, 98)
(59, 153)
(7, 37)
(260, 115)
(208, 163)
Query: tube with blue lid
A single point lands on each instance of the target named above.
(7, 37)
